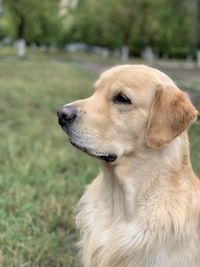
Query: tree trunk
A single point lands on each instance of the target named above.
(148, 55)
(198, 33)
(21, 43)
(198, 58)
(21, 48)
(125, 54)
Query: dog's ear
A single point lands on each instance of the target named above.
(171, 113)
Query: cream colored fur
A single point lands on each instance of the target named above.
(143, 210)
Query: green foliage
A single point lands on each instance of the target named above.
(176, 33)
(6, 28)
(169, 26)
(41, 175)
(35, 21)
(163, 24)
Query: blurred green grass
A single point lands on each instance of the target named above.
(41, 175)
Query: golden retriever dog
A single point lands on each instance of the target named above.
(143, 210)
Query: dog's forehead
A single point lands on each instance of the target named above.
(134, 76)
(125, 75)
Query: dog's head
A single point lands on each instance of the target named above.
(132, 107)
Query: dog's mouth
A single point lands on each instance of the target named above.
(108, 157)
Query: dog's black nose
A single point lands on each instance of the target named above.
(66, 115)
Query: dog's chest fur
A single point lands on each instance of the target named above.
(153, 237)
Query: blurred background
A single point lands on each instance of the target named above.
(51, 52)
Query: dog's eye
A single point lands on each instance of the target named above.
(121, 99)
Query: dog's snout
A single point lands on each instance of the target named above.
(66, 115)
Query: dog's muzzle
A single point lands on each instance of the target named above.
(66, 116)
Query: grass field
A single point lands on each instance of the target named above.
(41, 175)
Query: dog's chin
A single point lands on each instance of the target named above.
(107, 157)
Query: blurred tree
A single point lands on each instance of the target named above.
(34, 21)
(135, 21)
(116, 23)
(198, 33)
(176, 32)
(165, 25)
(5, 27)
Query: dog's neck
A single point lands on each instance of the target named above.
(128, 181)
